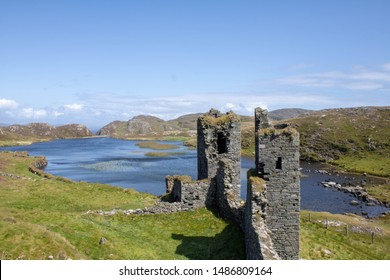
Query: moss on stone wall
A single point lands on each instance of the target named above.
(211, 120)
(183, 178)
(257, 183)
(272, 132)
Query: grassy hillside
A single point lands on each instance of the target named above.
(356, 139)
(43, 218)
(147, 127)
(14, 135)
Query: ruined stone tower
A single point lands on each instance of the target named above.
(270, 216)
(219, 149)
(277, 163)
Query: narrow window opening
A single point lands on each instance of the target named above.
(279, 163)
(221, 143)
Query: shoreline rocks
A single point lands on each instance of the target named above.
(356, 190)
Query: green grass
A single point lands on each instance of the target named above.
(356, 139)
(42, 217)
(365, 162)
(318, 242)
(380, 192)
(156, 145)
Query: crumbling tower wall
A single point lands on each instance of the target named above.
(277, 163)
(219, 150)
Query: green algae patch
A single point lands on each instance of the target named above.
(163, 154)
(156, 145)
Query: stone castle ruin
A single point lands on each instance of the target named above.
(270, 216)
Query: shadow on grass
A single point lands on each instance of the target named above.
(227, 245)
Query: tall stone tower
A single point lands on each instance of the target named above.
(219, 150)
(277, 163)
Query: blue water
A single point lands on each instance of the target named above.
(122, 163)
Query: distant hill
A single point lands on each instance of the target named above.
(184, 125)
(40, 131)
(138, 126)
(282, 114)
(185, 122)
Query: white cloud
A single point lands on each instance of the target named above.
(117, 107)
(74, 106)
(31, 113)
(386, 66)
(57, 114)
(363, 86)
(372, 76)
(8, 104)
(360, 78)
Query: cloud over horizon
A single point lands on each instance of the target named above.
(309, 91)
(8, 104)
(360, 79)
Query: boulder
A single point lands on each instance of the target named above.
(354, 202)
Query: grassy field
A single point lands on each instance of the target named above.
(319, 242)
(43, 218)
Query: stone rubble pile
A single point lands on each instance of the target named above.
(161, 207)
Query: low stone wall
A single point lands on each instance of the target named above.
(191, 194)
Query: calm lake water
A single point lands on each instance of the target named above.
(122, 163)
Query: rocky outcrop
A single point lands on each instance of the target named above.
(110, 129)
(73, 131)
(139, 125)
(45, 131)
(37, 167)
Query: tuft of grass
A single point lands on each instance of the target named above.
(258, 184)
(191, 143)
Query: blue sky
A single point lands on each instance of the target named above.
(93, 62)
